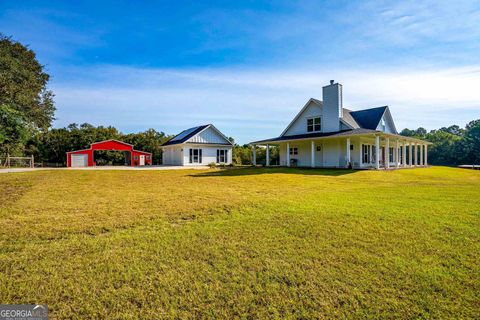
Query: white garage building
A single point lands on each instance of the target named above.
(196, 146)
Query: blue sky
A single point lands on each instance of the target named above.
(249, 66)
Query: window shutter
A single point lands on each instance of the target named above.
(191, 158)
(199, 155)
(226, 156)
(218, 156)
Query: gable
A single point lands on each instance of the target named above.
(209, 135)
(369, 118)
(298, 125)
(111, 145)
(386, 123)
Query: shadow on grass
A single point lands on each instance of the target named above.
(256, 171)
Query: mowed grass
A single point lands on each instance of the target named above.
(242, 243)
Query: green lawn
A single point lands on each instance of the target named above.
(243, 243)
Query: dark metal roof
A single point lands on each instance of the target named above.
(368, 118)
(318, 135)
(184, 135)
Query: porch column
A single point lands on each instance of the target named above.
(410, 154)
(360, 154)
(421, 155)
(387, 153)
(377, 152)
(254, 158)
(397, 155)
(404, 154)
(415, 154)
(267, 156)
(426, 155)
(348, 152)
(288, 154)
(313, 154)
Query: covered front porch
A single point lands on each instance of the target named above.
(349, 151)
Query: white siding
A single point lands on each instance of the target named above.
(300, 125)
(208, 135)
(332, 153)
(332, 107)
(328, 156)
(388, 124)
(209, 154)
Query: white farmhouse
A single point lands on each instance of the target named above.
(327, 135)
(196, 146)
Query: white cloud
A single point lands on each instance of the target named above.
(258, 103)
(411, 22)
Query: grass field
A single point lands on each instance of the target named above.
(245, 243)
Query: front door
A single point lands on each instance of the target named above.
(142, 160)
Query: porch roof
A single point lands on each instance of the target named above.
(342, 133)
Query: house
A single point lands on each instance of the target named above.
(327, 135)
(200, 145)
(86, 157)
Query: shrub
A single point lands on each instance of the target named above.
(212, 165)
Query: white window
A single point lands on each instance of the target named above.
(390, 154)
(195, 156)
(294, 151)
(314, 124)
(365, 153)
(222, 156)
(383, 125)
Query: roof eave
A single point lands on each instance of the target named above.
(373, 133)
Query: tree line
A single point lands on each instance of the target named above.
(451, 145)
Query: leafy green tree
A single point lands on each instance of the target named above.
(444, 148)
(150, 141)
(407, 132)
(23, 84)
(13, 131)
(471, 143)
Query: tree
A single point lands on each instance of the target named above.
(150, 141)
(407, 132)
(23, 84)
(471, 143)
(420, 132)
(444, 149)
(13, 131)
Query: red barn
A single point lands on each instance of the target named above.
(85, 157)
